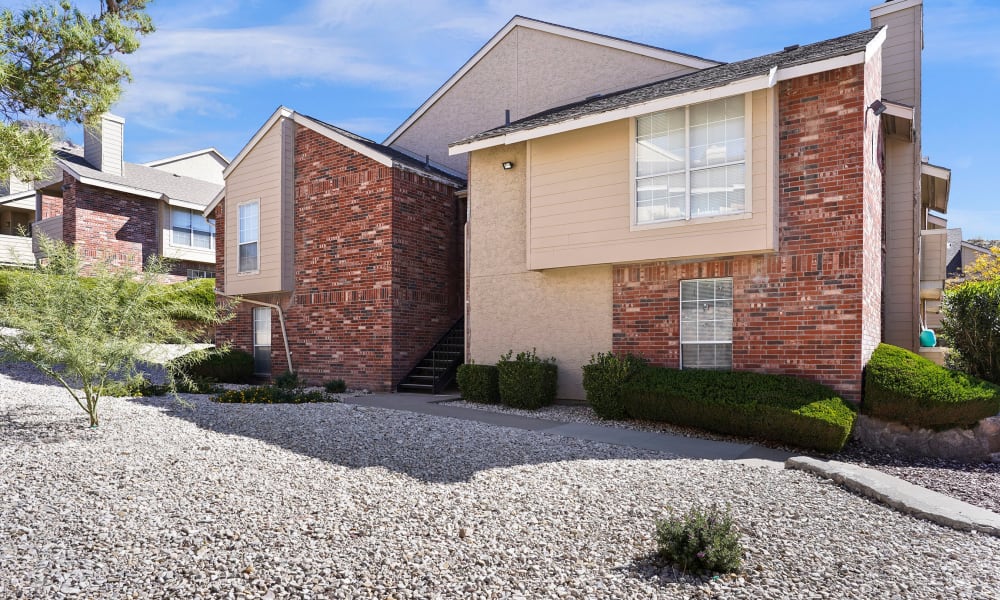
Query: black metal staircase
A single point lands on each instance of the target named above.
(437, 369)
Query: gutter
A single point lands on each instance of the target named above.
(281, 319)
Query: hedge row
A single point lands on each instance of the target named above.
(521, 381)
(904, 387)
(772, 407)
(478, 383)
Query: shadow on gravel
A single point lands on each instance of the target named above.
(650, 568)
(34, 424)
(427, 448)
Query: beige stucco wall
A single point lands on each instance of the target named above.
(528, 71)
(206, 166)
(580, 194)
(261, 175)
(565, 313)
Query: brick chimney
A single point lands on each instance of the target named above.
(103, 144)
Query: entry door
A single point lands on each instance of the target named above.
(262, 340)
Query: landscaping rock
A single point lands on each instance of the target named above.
(954, 444)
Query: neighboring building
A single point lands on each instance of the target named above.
(355, 248)
(726, 218)
(961, 253)
(109, 208)
(17, 211)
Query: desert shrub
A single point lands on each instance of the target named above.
(132, 387)
(290, 380)
(603, 380)
(271, 394)
(187, 300)
(700, 541)
(779, 408)
(227, 366)
(971, 324)
(906, 388)
(526, 381)
(478, 383)
(335, 386)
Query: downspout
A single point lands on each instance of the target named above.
(281, 320)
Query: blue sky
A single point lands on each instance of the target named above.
(214, 71)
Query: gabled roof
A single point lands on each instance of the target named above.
(389, 157)
(139, 180)
(742, 76)
(170, 159)
(688, 60)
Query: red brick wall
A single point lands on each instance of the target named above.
(427, 268)
(378, 269)
(340, 314)
(798, 311)
(52, 206)
(874, 203)
(105, 224)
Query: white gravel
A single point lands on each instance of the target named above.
(977, 483)
(339, 501)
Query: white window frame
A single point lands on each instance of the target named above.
(715, 298)
(746, 213)
(211, 230)
(239, 244)
(200, 274)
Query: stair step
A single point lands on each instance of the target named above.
(417, 387)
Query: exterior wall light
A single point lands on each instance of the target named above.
(877, 107)
(507, 165)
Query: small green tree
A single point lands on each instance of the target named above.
(58, 62)
(85, 331)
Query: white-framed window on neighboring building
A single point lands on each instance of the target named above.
(707, 323)
(191, 229)
(248, 257)
(690, 162)
(200, 274)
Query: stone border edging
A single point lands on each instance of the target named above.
(901, 495)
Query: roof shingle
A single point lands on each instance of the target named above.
(699, 80)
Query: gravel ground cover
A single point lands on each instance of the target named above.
(977, 483)
(341, 501)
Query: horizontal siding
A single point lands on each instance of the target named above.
(580, 199)
(258, 176)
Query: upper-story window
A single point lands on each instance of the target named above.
(691, 162)
(189, 228)
(249, 237)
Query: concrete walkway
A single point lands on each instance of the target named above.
(897, 493)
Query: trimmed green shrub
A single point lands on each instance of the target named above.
(335, 386)
(971, 322)
(478, 383)
(906, 388)
(779, 408)
(603, 380)
(289, 380)
(229, 366)
(270, 394)
(526, 381)
(701, 541)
